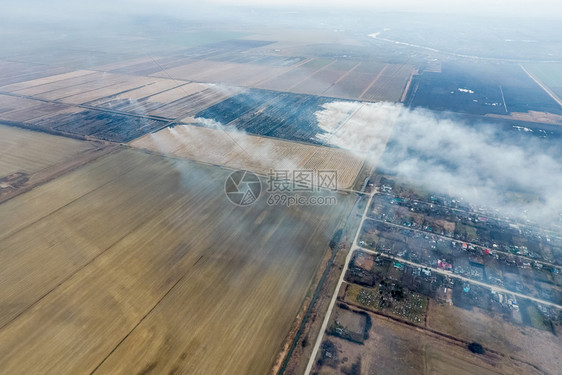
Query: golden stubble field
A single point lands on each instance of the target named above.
(136, 263)
(236, 149)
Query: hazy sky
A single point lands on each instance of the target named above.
(549, 8)
(525, 8)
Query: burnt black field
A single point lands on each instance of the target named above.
(476, 88)
(98, 124)
(270, 113)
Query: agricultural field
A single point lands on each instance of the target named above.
(28, 159)
(22, 110)
(280, 115)
(107, 106)
(76, 122)
(82, 89)
(28, 83)
(481, 88)
(390, 83)
(240, 74)
(195, 97)
(103, 125)
(29, 152)
(536, 346)
(238, 150)
(123, 100)
(305, 118)
(359, 80)
(13, 72)
(136, 263)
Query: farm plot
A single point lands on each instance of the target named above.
(43, 81)
(13, 72)
(280, 115)
(133, 101)
(293, 77)
(112, 67)
(319, 82)
(66, 82)
(150, 89)
(23, 109)
(370, 67)
(482, 88)
(351, 86)
(198, 70)
(130, 83)
(241, 151)
(99, 81)
(247, 75)
(533, 345)
(98, 124)
(208, 51)
(152, 283)
(10, 103)
(390, 84)
(197, 97)
(28, 152)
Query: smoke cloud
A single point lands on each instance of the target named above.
(484, 165)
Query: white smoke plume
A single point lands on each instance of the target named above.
(478, 163)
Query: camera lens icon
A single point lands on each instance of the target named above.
(242, 188)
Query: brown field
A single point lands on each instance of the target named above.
(223, 72)
(38, 87)
(27, 151)
(102, 81)
(137, 263)
(351, 86)
(12, 72)
(44, 81)
(123, 64)
(151, 89)
(90, 95)
(285, 81)
(394, 348)
(195, 70)
(12, 103)
(319, 82)
(196, 97)
(539, 347)
(241, 151)
(52, 110)
(29, 109)
(176, 93)
(250, 75)
(370, 81)
(371, 67)
(390, 84)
